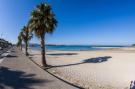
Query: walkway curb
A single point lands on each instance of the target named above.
(79, 87)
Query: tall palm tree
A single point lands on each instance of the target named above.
(42, 21)
(19, 43)
(26, 36)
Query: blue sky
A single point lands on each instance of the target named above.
(79, 21)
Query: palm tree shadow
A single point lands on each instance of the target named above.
(18, 79)
(97, 60)
(91, 60)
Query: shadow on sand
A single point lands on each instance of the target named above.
(91, 60)
(18, 79)
(62, 54)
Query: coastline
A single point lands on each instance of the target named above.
(116, 72)
(77, 47)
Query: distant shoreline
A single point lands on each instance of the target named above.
(76, 47)
(34, 44)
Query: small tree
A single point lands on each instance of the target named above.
(19, 43)
(26, 37)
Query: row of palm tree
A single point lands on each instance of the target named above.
(42, 21)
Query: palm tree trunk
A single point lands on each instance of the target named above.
(26, 48)
(43, 51)
(21, 46)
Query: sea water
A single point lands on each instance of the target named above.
(74, 47)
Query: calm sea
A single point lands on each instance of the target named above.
(74, 47)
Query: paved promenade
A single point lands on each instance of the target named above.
(18, 72)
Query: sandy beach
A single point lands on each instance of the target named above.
(104, 69)
(70, 44)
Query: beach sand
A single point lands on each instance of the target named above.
(104, 69)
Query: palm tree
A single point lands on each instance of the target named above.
(42, 21)
(26, 36)
(19, 43)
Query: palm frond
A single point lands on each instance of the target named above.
(42, 20)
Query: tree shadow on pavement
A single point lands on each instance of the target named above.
(13, 79)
